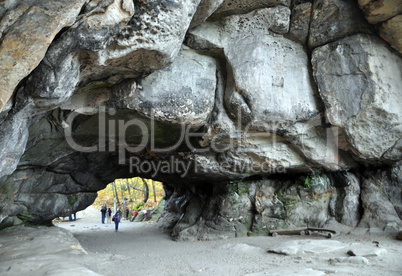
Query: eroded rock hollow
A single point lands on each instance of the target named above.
(256, 115)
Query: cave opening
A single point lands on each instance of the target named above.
(132, 195)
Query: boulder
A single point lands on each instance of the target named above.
(391, 31)
(378, 11)
(152, 38)
(300, 22)
(268, 79)
(334, 19)
(268, 89)
(358, 79)
(182, 93)
(108, 45)
(379, 211)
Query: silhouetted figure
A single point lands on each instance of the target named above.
(103, 211)
(116, 219)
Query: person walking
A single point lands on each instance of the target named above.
(127, 212)
(103, 211)
(116, 219)
(145, 214)
(109, 216)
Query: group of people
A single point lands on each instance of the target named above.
(107, 214)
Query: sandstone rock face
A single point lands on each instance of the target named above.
(378, 11)
(268, 79)
(378, 209)
(229, 7)
(299, 25)
(256, 207)
(218, 99)
(91, 53)
(204, 10)
(332, 20)
(26, 39)
(14, 135)
(391, 31)
(358, 90)
(163, 96)
(250, 85)
(345, 204)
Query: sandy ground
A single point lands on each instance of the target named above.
(92, 248)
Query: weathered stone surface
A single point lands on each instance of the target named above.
(25, 42)
(182, 93)
(321, 145)
(390, 181)
(252, 85)
(13, 139)
(378, 209)
(60, 195)
(378, 11)
(204, 10)
(300, 22)
(345, 204)
(349, 260)
(214, 35)
(275, 19)
(250, 107)
(359, 79)
(335, 19)
(53, 249)
(263, 108)
(109, 45)
(152, 38)
(312, 193)
(307, 246)
(229, 7)
(47, 142)
(391, 31)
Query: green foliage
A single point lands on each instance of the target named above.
(243, 187)
(131, 192)
(72, 199)
(315, 180)
(26, 217)
(239, 187)
(138, 206)
(307, 183)
(233, 187)
(289, 202)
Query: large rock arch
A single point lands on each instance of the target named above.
(254, 119)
